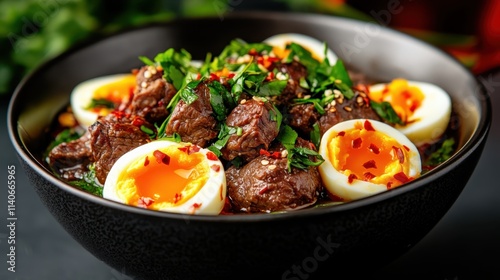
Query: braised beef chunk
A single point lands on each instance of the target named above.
(258, 126)
(70, 159)
(109, 140)
(152, 95)
(194, 122)
(302, 117)
(357, 107)
(296, 71)
(265, 185)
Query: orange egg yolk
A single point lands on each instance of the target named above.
(369, 155)
(165, 177)
(405, 99)
(116, 91)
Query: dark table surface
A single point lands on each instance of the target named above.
(465, 244)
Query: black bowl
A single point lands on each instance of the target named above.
(367, 233)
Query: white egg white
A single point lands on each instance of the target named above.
(209, 199)
(431, 119)
(337, 183)
(82, 94)
(316, 47)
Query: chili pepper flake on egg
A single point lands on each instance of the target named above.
(423, 108)
(99, 96)
(168, 176)
(364, 157)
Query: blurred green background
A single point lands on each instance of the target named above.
(32, 31)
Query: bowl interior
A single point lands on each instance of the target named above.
(381, 53)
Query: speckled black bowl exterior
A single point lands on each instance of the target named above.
(327, 241)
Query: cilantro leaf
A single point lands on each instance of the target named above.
(315, 135)
(386, 112)
(442, 154)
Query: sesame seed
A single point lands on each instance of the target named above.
(284, 153)
(328, 92)
(359, 99)
(307, 96)
(333, 110)
(147, 74)
(243, 101)
(340, 100)
(280, 76)
(152, 70)
(333, 103)
(264, 162)
(362, 94)
(347, 108)
(337, 93)
(271, 167)
(144, 84)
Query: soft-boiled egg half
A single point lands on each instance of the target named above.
(98, 96)
(168, 176)
(364, 157)
(424, 108)
(316, 47)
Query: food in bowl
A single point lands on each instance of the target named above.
(260, 111)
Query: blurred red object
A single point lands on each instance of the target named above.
(489, 37)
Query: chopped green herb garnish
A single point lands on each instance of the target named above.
(174, 138)
(222, 138)
(442, 154)
(100, 103)
(315, 135)
(146, 60)
(298, 157)
(386, 112)
(89, 183)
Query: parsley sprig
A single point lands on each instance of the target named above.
(298, 157)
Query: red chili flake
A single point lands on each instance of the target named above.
(368, 126)
(213, 77)
(215, 167)
(161, 157)
(198, 76)
(342, 133)
(370, 164)
(406, 148)
(137, 121)
(231, 75)
(374, 149)
(356, 143)
(263, 152)
(389, 185)
(276, 155)
(260, 60)
(184, 149)
(401, 177)
(211, 156)
(351, 178)
(368, 176)
(146, 161)
(270, 76)
(193, 149)
(177, 197)
(253, 52)
(399, 154)
(161, 103)
(144, 202)
(263, 190)
(196, 206)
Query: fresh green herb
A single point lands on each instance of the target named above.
(174, 138)
(272, 88)
(64, 136)
(176, 66)
(100, 103)
(148, 131)
(89, 183)
(315, 135)
(238, 162)
(146, 60)
(238, 47)
(187, 93)
(217, 102)
(275, 115)
(318, 103)
(298, 157)
(442, 154)
(222, 138)
(386, 111)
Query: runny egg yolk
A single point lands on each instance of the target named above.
(116, 91)
(163, 178)
(405, 99)
(362, 153)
